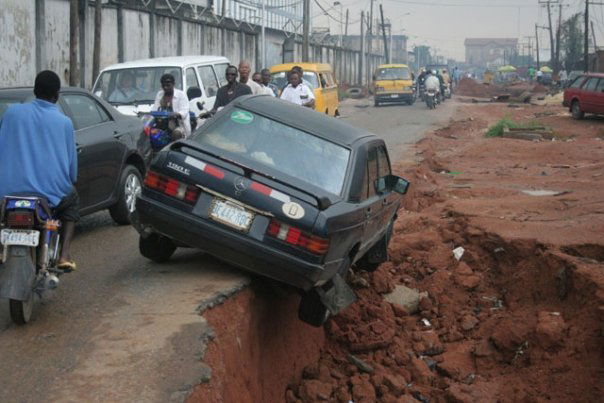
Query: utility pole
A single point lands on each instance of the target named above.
(530, 48)
(370, 25)
(558, 40)
(96, 52)
(362, 55)
(537, 45)
(551, 31)
(386, 50)
(346, 26)
(74, 24)
(593, 34)
(263, 35)
(306, 32)
(586, 39)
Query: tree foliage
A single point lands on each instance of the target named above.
(572, 42)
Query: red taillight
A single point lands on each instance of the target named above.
(296, 237)
(172, 187)
(20, 219)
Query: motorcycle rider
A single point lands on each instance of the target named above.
(38, 157)
(442, 84)
(175, 101)
(447, 80)
(432, 83)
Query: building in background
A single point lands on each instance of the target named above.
(490, 52)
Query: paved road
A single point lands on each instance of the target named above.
(125, 329)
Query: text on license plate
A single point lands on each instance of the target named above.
(231, 214)
(19, 237)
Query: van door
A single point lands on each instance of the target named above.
(192, 81)
(210, 84)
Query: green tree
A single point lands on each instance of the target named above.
(572, 42)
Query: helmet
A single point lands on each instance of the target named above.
(434, 72)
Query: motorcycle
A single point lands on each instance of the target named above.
(30, 239)
(431, 99)
(422, 92)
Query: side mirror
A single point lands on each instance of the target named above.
(392, 183)
(193, 92)
(200, 105)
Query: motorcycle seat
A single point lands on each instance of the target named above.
(43, 207)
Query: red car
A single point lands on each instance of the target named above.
(585, 95)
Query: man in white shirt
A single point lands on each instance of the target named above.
(244, 78)
(431, 82)
(297, 92)
(257, 78)
(175, 101)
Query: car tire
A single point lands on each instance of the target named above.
(156, 247)
(311, 309)
(382, 244)
(130, 187)
(575, 108)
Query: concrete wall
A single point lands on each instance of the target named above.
(34, 35)
(17, 42)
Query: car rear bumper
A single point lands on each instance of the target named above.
(394, 97)
(235, 248)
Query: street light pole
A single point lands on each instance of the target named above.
(263, 35)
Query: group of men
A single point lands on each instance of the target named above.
(297, 90)
(435, 81)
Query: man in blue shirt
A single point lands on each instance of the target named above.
(38, 156)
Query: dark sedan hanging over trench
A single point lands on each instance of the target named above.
(278, 190)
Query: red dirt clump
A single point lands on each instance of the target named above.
(471, 88)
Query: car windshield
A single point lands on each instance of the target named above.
(134, 86)
(280, 79)
(247, 136)
(393, 73)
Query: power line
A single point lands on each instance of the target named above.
(481, 5)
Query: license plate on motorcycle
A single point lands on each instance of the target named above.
(19, 237)
(231, 214)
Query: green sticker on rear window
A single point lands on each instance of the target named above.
(242, 117)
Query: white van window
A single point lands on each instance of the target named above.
(136, 85)
(208, 78)
(221, 72)
(191, 78)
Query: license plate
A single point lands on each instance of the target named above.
(231, 214)
(19, 237)
(394, 96)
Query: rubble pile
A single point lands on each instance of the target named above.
(468, 309)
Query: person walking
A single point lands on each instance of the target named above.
(297, 92)
(232, 90)
(244, 78)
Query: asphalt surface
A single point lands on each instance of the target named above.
(123, 328)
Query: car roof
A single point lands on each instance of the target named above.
(598, 75)
(318, 124)
(305, 66)
(29, 90)
(177, 61)
(391, 65)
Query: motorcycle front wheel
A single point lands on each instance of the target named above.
(20, 311)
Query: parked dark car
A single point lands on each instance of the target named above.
(585, 95)
(112, 150)
(279, 190)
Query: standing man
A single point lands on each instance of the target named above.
(266, 81)
(38, 156)
(297, 92)
(230, 91)
(244, 78)
(175, 101)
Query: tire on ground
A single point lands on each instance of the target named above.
(311, 310)
(120, 211)
(156, 247)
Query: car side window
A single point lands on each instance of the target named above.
(372, 170)
(591, 84)
(577, 83)
(191, 78)
(600, 86)
(383, 163)
(85, 111)
(208, 78)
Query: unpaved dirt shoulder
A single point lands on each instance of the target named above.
(519, 317)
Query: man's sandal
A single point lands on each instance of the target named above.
(67, 266)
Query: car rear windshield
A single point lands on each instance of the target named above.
(8, 100)
(136, 85)
(253, 140)
(393, 73)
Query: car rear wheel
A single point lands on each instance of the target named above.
(576, 111)
(378, 253)
(156, 247)
(130, 187)
(312, 310)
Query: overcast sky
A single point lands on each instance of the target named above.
(445, 24)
